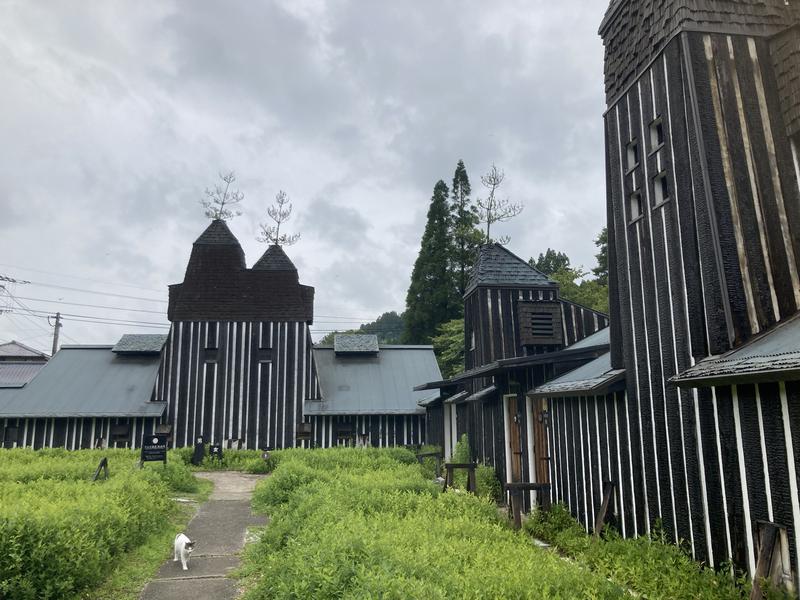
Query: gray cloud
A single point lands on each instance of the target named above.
(118, 117)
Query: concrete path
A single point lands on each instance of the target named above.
(218, 531)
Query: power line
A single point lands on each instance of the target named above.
(138, 287)
(85, 291)
(74, 317)
(142, 310)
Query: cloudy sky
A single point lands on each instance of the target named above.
(116, 116)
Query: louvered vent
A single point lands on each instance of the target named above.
(539, 323)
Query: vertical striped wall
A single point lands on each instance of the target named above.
(74, 433)
(491, 315)
(733, 461)
(237, 381)
(377, 430)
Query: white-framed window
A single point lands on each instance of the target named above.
(635, 206)
(632, 153)
(660, 188)
(656, 134)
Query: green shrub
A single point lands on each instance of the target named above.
(355, 523)
(650, 566)
(59, 530)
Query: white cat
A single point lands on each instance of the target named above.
(183, 548)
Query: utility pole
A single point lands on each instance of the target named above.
(57, 326)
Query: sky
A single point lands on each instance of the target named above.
(117, 116)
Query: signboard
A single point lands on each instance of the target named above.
(154, 447)
(215, 451)
(199, 451)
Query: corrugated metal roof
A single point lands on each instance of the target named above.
(14, 349)
(87, 382)
(140, 343)
(496, 265)
(771, 356)
(378, 384)
(344, 343)
(17, 374)
(592, 378)
(598, 338)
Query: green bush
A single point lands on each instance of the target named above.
(486, 480)
(247, 461)
(59, 530)
(650, 566)
(355, 523)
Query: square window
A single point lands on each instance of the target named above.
(636, 205)
(656, 134)
(661, 188)
(210, 355)
(633, 155)
(264, 354)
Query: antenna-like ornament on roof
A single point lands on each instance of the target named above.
(280, 213)
(219, 200)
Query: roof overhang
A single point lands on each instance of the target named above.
(520, 362)
(316, 408)
(609, 381)
(152, 409)
(688, 379)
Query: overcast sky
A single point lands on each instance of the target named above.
(115, 117)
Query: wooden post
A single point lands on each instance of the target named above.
(768, 540)
(517, 489)
(470, 467)
(600, 517)
(102, 466)
(472, 484)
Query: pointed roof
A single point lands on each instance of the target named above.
(217, 233)
(16, 350)
(274, 259)
(497, 265)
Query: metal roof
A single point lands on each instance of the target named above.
(87, 381)
(344, 343)
(14, 374)
(598, 338)
(595, 377)
(497, 265)
(373, 384)
(772, 356)
(14, 349)
(140, 343)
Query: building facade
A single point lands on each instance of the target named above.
(704, 244)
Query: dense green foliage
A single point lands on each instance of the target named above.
(486, 482)
(355, 523)
(465, 235)
(59, 530)
(247, 461)
(448, 344)
(601, 270)
(388, 327)
(550, 261)
(432, 298)
(650, 566)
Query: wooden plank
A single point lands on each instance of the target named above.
(600, 517)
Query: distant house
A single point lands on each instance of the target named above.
(19, 363)
(87, 396)
(365, 393)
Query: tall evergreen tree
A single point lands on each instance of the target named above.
(550, 262)
(431, 296)
(601, 270)
(466, 237)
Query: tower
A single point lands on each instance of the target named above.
(237, 365)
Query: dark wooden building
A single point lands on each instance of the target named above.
(518, 333)
(366, 394)
(238, 363)
(704, 243)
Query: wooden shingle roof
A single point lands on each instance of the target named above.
(496, 265)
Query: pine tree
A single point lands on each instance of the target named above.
(601, 270)
(431, 296)
(466, 237)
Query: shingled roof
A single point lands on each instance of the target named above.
(274, 259)
(634, 32)
(497, 265)
(14, 350)
(771, 356)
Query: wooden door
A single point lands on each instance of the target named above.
(541, 454)
(515, 438)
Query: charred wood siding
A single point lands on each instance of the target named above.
(491, 319)
(742, 456)
(236, 381)
(74, 433)
(698, 270)
(380, 431)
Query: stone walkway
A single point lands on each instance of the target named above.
(218, 531)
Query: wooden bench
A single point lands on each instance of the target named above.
(515, 491)
(470, 468)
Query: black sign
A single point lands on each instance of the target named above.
(199, 451)
(154, 447)
(215, 451)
